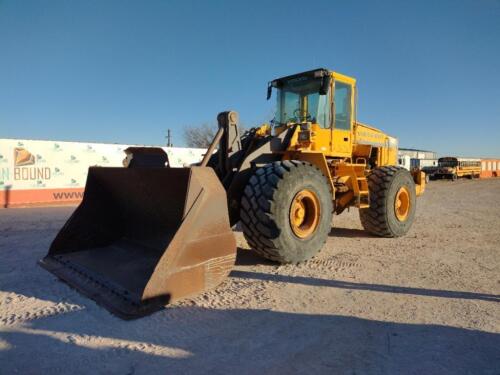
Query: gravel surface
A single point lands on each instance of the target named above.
(427, 303)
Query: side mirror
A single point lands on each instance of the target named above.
(325, 85)
(269, 90)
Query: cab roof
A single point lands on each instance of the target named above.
(316, 73)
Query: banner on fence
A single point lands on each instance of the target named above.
(47, 172)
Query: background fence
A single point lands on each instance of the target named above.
(48, 172)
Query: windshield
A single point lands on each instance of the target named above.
(298, 100)
(447, 162)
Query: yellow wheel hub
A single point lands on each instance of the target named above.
(402, 203)
(304, 213)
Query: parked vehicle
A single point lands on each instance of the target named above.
(454, 168)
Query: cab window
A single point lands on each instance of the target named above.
(342, 106)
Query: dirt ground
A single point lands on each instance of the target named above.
(427, 303)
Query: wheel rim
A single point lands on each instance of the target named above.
(304, 213)
(402, 203)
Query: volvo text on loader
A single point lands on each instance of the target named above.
(147, 234)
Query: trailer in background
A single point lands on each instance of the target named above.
(413, 159)
(414, 153)
(404, 161)
(423, 163)
(428, 166)
(490, 168)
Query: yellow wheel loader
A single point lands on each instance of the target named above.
(147, 234)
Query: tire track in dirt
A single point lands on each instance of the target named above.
(17, 309)
(331, 264)
(241, 292)
(233, 292)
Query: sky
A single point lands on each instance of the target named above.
(428, 72)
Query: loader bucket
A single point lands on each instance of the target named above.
(145, 237)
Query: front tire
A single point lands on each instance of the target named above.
(286, 211)
(392, 202)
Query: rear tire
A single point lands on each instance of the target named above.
(269, 211)
(388, 186)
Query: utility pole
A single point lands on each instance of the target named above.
(169, 139)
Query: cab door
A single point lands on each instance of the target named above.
(342, 118)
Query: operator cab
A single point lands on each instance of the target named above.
(306, 99)
(302, 98)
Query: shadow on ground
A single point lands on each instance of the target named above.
(247, 257)
(199, 340)
(349, 233)
(312, 281)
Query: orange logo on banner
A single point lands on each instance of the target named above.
(23, 157)
(25, 169)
